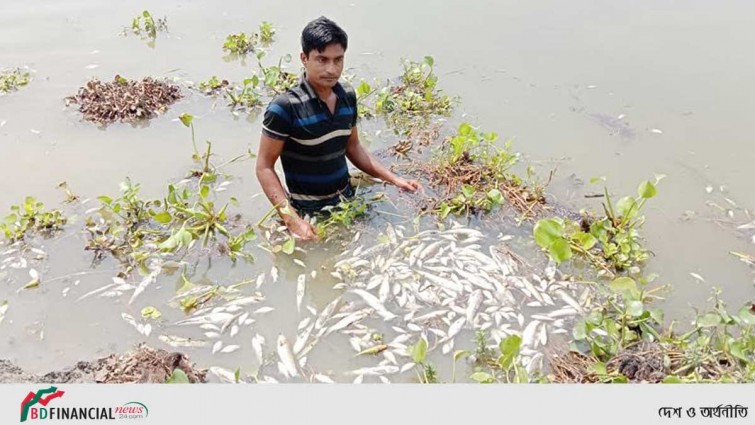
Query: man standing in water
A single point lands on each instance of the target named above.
(312, 128)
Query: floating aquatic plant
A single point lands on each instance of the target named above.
(31, 217)
(123, 99)
(12, 80)
(145, 25)
(472, 175)
(611, 242)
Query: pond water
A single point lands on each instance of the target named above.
(623, 90)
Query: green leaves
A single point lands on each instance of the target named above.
(483, 378)
(163, 217)
(509, 350)
(31, 218)
(151, 312)
(626, 287)
(709, 320)
(585, 240)
(549, 234)
(178, 377)
(177, 240)
(548, 231)
(12, 80)
(646, 190)
(419, 351)
(186, 119)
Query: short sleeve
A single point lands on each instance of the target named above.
(277, 121)
(351, 101)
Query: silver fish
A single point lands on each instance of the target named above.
(286, 356)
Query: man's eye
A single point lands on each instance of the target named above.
(322, 60)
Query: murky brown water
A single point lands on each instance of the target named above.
(555, 76)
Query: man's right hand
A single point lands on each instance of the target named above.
(301, 229)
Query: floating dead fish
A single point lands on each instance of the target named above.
(223, 374)
(286, 356)
(179, 341)
(301, 283)
(257, 342)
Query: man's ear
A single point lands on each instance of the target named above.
(303, 57)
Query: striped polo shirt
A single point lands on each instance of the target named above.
(314, 143)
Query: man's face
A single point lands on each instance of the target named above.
(324, 68)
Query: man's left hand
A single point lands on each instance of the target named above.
(408, 185)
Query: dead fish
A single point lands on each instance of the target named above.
(376, 371)
(346, 321)
(473, 303)
(286, 356)
(375, 303)
(302, 337)
(300, 289)
(323, 378)
(179, 341)
(569, 300)
(229, 348)
(223, 374)
(257, 342)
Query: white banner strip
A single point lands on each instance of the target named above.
(376, 404)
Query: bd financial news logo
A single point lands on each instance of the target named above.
(35, 406)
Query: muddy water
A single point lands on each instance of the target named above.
(553, 76)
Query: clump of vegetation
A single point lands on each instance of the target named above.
(473, 175)
(275, 78)
(243, 43)
(145, 25)
(250, 94)
(342, 214)
(426, 371)
(240, 43)
(213, 85)
(416, 97)
(29, 218)
(624, 340)
(611, 243)
(134, 230)
(12, 80)
(267, 32)
(124, 100)
(505, 367)
(247, 96)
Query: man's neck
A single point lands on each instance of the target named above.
(322, 92)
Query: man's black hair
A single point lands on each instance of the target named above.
(320, 33)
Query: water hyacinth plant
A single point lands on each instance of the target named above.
(473, 174)
(12, 80)
(145, 25)
(243, 43)
(611, 242)
(416, 97)
(31, 218)
(624, 339)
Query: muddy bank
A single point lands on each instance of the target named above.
(143, 365)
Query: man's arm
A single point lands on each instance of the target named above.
(269, 152)
(361, 158)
